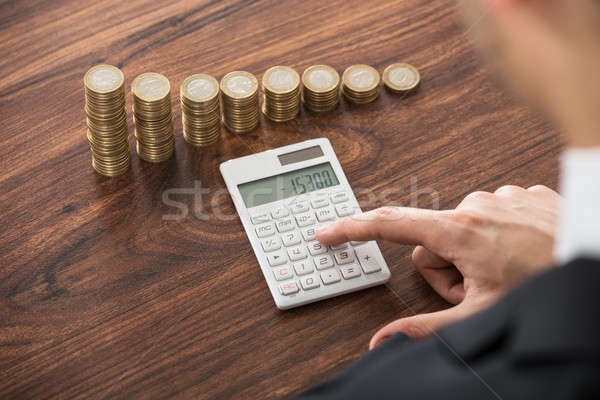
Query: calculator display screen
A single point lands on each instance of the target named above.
(286, 185)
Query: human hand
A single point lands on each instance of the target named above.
(470, 255)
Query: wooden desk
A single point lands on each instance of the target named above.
(101, 297)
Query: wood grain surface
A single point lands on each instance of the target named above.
(103, 296)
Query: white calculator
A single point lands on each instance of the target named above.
(282, 196)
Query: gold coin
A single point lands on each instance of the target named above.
(103, 78)
(239, 85)
(401, 77)
(200, 88)
(361, 78)
(150, 87)
(320, 78)
(280, 80)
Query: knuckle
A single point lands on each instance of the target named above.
(384, 213)
(478, 195)
(540, 188)
(467, 219)
(509, 189)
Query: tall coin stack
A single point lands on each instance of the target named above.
(153, 117)
(360, 83)
(239, 92)
(201, 113)
(106, 119)
(281, 88)
(321, 85)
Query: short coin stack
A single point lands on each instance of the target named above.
(281, 87)
(401, 77)
(360, 83)
(106, 119)
(239, 93)
(321, 85)
(201, 113)
(153, 117)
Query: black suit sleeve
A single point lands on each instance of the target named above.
(542, 341)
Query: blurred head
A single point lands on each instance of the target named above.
(547, 51)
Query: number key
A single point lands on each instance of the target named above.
(297, 253)
(323, 262)
(291, 238)
(316, 248)
(309, 233)
(344, 256)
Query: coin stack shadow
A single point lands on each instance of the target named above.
(321, 88)
(281, 88)
(239, 94)
(106, 120)
(360, 83)
(201, 112)
(153, 117)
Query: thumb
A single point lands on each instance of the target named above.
(421, 325)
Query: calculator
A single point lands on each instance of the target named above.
(282, 196)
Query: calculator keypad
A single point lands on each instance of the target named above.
(297, 259)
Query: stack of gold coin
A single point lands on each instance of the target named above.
(106, 119)
(201, 113)
(239, 93)
(321, 85)
(153, 117)
(360, 83)
(281, 87)
(401, 77)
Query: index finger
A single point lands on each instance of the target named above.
(397, 224)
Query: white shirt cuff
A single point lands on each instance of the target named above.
(579, 223)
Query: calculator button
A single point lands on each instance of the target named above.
(280, 212)
(309, 282)
(323, 262)
(300, 207)
(367, 259)
(276, 258)
(297, 253)
(283, 273)
(284, 225)
(291, 238)
(339, 246)
(271, 244)
(339, 197)
(325, 214)
(259, 218)
(350, 271)
(343, 210)
(305, 219)
(303, 267)
(344, 256)
(289, 288)
(319, 202)
(265, 230)
(357, 243)
(331, 276)
(316, 248)
(309, 233)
